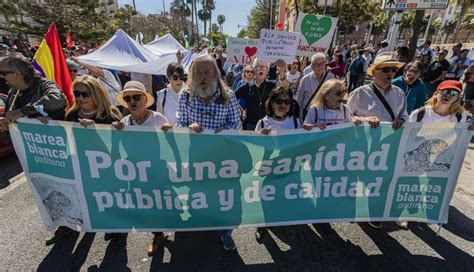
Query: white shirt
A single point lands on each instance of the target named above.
(111, 86)
(328, 116)
(432, 117)
(364, 102)
(293, 78)
(155, 119)
(278, 125)
(171, 103)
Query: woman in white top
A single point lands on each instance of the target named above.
(443, 106)
(280, 116)
(293, 75)
(327, 106)
(167, 98)
(280, 112)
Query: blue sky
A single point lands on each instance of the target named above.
(236, 12)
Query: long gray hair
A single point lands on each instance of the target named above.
(225, 92)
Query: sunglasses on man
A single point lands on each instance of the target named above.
(135, 97)
(387, 70)
(450, 92)
(79, 93)
(279, 101)
(177, 77)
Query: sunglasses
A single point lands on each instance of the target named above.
(279, 101)
(340, 92)
(387, 70)
(74, 71)
(296, 63)
(450, 92)
(135, 97)
(249, 72)
(412, 71)
(176, 77)
(5, 73)
(79, 93)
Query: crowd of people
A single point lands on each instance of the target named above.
(352, 86)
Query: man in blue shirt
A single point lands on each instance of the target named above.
(413, 87)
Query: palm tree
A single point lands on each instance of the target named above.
(209, 5)
(220, 21)
(204, 15)
(191, 2)
(179, 8)
(463, 4)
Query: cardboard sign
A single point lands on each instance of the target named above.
(241, 51)
(317, 32)
(274, 45)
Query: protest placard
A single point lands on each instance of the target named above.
(274, 45)
(316, 31)
(241, 50)
(101, 179)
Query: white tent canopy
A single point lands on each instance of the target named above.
(164, 45)
(122, 53)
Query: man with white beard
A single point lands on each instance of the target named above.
(207, 103)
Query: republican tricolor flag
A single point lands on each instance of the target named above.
(50, 61)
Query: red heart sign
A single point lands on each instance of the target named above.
(250, 51)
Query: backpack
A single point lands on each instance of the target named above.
(422, 111)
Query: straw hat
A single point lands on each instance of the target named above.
(134, 86)
(385, 59)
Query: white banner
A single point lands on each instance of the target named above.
(274, 45)
(316, 31)
(241, 50)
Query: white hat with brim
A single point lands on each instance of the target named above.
(385, 59)
(134, 86)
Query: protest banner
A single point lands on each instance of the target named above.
(276, 45)
(101, 179)
(241, 50)
(317, 32)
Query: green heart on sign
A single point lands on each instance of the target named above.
(314, 29)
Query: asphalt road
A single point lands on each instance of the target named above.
(318, 247)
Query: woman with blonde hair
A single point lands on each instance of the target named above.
(91, 103)
(247, 75)
(327, 106)
(443, 106)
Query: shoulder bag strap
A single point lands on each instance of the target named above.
(316, 91)
(384, 102)
(164, 100)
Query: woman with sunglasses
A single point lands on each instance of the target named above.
(280, 112)
(167, 98)
(91, 103)
(327, 106)
(247, 76)
(280, 116)
(294, 74)
(443, 106)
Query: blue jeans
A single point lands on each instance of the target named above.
(225, 233)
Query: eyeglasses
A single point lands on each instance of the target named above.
(135, 97)
(249, 72)
(319, 63)
(279, 101)
(261, 67)
(74, 71)
(296, 63)
(79, 93)
(387, 70)
(450, 92)
(5, 73)
(176, 77)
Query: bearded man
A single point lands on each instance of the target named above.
(206, 103)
